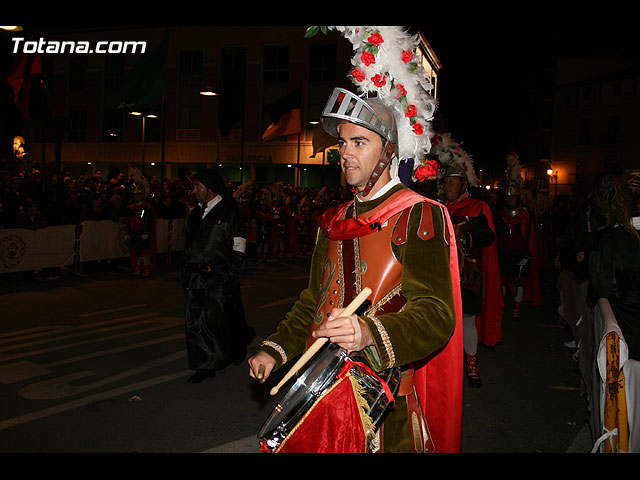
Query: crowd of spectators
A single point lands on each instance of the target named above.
(600, 247)
(279, 216)
(29, 201)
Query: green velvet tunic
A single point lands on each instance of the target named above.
(422, 327)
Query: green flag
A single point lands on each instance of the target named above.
(147, 82)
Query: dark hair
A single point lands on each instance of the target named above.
(611, 204)
(632, 179)
(212, 179)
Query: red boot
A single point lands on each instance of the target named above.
(473, 374)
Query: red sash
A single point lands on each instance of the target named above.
(337, 228)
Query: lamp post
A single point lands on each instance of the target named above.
(553, 175)
(210, 92)
(144, 123)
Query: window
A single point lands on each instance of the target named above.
(113, 71)
(584, 131)
(276, 65)
(190, 83)
(322, 63)
(613, 129)
(78, 70)
(77, 126)
(232, 86)
(112, 125)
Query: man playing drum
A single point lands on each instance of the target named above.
(401, 245)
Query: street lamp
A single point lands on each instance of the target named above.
(210, 92)
(553, 175)
(144, 121)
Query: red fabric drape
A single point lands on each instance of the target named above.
(332, 425)
(489, 323)
(438, 381)
(336, 228)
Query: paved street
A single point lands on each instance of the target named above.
(96, 363)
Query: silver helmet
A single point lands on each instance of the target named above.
(454, 170)
(370, 113)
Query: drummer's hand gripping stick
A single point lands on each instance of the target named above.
(315, 346)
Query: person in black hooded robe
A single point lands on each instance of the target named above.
(217, 333)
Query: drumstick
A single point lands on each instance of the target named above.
(315, 346)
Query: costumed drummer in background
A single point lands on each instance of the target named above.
(399, 244)
(482, 299)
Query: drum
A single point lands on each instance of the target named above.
(321, 374)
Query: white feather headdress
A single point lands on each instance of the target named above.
(386, 63)
(514, 170)
(449, 153)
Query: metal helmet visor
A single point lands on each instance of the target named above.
(370, 113)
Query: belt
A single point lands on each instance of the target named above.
(406, 382)
(201, 267)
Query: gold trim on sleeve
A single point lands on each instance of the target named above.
(386, 341)
(277, 348)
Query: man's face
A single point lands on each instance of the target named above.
(200, 191)
(360, 150)
(452, 188)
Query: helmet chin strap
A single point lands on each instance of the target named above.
(385, 158)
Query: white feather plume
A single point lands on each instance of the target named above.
(402, 82)
(514, 169)
(449, 152)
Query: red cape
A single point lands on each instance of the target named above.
(489, 322)
(439, 378)
(136, 226)
(532, 289)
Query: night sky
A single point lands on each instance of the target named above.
(491, 70)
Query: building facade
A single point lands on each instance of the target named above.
(596, 120)
(248, 68)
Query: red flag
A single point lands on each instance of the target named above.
(23, 68)
(321, 140)
(285, 116)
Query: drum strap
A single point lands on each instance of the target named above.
(348, 366)
(406, 382)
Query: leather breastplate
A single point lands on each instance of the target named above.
(367, 261)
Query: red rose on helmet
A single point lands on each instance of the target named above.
(368, 58)
(375, 39)
(418, 129)
(407, 56)
(358, 74)
(425, 172)
(379, 80)
(400, 90)
(412, 111)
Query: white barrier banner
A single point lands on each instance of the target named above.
(98, 240)
(101, 240)
(22, 249)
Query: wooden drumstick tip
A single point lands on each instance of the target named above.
(260, 375)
